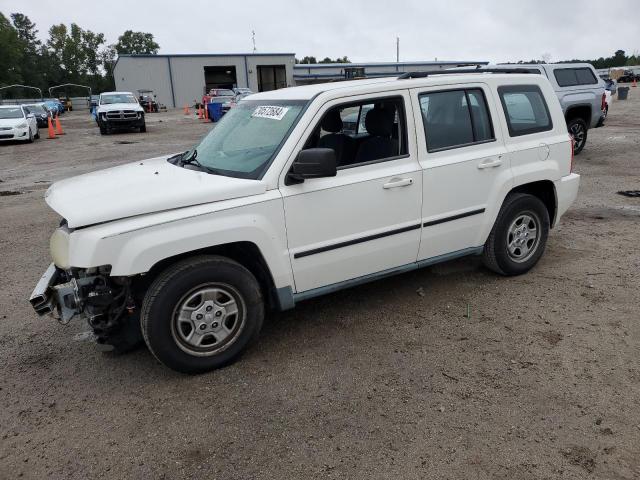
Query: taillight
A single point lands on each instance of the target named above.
(573, 146)
(604, 102)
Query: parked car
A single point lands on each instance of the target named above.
(66, 103)
(119, 110)
(607, 102)
(241, 92)
(277, 204)
(610, 84)
(146, 97)
(93, 102)
(222, 95)
(16, 123)
(54, 106)
(628, 76)
(40, 112)
(580, 92)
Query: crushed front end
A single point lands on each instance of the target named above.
(105, 302)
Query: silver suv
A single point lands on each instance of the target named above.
(581, 94)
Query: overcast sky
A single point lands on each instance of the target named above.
(364, 30)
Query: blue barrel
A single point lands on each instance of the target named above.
(215, 111)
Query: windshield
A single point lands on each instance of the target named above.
(117, 98)
(224, 93)
(14, 112)
(244, 142)
(39, 109)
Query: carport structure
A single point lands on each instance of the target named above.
(22, 86)
(55, 87)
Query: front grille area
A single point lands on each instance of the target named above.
(4, 135)
(6, 128)
(122, 115)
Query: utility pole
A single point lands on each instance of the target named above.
(253, 39)
(397, 49)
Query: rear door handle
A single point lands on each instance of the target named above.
(398, 182)
(490, 163)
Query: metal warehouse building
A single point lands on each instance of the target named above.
(180, 79)
(304, 74)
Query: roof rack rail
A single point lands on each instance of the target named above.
(409, 75)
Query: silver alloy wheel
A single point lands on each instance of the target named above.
(523, 237)
(208, 319)
(579, 133)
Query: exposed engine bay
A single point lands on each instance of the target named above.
(105, 302)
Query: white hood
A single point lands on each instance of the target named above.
(142, 187)
(120, 106)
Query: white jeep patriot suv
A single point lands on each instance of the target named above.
(282, 202)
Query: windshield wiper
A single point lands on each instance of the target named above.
(193, 160)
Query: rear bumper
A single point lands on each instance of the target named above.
(566, 193)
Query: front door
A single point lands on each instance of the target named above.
(466, 166)
(366, 219)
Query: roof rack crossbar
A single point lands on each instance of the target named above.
(409, 75)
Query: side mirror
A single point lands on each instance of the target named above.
(313, 163)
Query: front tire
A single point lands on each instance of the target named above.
(30, 137)
(519, 236)
(577, 127)
(143, 128)
(201, 313)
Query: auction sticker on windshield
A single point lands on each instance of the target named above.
(272, 112)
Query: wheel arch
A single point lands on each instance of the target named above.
(581, 111)
(246, 253)
(545, 190)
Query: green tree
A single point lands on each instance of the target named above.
(11, 53)
(308, 60)
(30, 47)
(136, 43)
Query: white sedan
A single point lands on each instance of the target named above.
(17, 124)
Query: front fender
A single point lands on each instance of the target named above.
(133, 246)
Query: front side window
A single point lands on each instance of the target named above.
(359, 133)
(455, 118)
(247, 138)
(525, 109)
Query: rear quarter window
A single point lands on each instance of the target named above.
(571, 77)
(525, 109)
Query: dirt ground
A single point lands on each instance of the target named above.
(387, 380)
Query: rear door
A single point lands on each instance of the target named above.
(466, 167)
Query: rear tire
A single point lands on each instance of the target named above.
(519, 236)
(201, 313)
(577, 127)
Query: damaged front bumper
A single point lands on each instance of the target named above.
(65, 294)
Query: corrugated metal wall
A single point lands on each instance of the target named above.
(186, 82)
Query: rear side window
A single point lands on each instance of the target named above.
(455, 118)
(571, 77)
(525, 109)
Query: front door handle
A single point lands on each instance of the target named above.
(398, 182)
(490, 163)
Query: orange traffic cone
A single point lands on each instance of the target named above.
(635, 83)
(186, 109)
(52, 134)
(58, 126)
(200, 113)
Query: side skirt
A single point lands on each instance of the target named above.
(288, 299)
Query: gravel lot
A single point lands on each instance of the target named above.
(387, 380)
